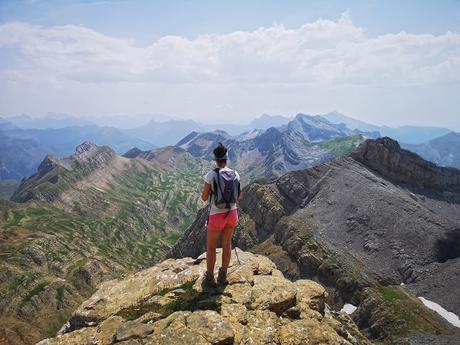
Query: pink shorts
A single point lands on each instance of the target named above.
(217, 222)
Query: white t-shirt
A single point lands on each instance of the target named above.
(209, 178)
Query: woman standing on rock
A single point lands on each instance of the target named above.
(222, 186)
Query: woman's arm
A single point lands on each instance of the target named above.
(206, 191)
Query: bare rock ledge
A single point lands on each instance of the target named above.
(167, 304)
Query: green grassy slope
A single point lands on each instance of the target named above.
(342, 146)
(54, 253)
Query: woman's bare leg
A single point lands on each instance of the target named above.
(212, 237)
(227, 246)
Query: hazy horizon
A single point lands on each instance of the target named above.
(385, 63)
(165, 117)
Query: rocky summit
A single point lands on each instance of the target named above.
(379, 228)
(168, 304)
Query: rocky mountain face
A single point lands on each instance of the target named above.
(444, 151)
(64, 173)
(404, 167)
(306, 141)
(317, 128)
(21, 150)
(168, 304)
(363, 225)
(83, 219)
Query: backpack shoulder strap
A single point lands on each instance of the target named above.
(215, 182)
(216, 178)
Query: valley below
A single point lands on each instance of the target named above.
(81, 220)
(375, 224)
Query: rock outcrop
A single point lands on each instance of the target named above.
(401, 166)
(358, 223)
(168, 304)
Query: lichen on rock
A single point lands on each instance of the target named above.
(167, 304)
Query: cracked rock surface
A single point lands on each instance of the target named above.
(168, 304)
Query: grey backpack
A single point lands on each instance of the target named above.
(226, 188)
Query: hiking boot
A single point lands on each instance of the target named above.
(222, 277)
(209, 280)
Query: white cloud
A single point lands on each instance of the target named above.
(324, 52)
(319, 66)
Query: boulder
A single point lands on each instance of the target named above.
(105, 332)
(273, 293)
(310, 295)
(261, 328)
(82, 336)
(133, 329)
(300, 332)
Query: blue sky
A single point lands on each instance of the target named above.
(146, 20)
(390, 62)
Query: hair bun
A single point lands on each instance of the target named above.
(220, 151)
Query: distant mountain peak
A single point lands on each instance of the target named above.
(265, 121)
(452, 135)
(443, 150)
(273, 130)
(312, 118)
(90, 151)
(221, 132)
(132, 153)
(87, 158)
(302, 116)
(86, 146)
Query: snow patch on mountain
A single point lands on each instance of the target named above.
(449, 316)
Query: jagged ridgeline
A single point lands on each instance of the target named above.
(303, 143)
(362, 225)
(86, 218)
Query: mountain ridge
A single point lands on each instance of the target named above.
(84, 219)
(403, 166)
(325, 223)
(304, 142)
(62, 135)
(49, 170)
(22, 149)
